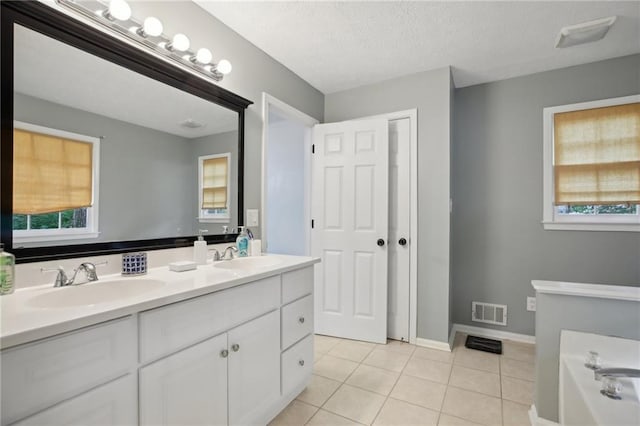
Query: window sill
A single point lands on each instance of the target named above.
(608, 227)
(213, 220)
(54, 237)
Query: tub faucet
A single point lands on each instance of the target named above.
(616, 372)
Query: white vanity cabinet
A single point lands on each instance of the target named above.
(237, 356)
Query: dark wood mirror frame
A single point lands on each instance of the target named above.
(48, 21)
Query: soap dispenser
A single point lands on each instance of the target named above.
(242, 242)
(200, 249)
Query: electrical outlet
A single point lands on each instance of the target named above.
(531, 304)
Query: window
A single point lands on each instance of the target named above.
(213, 187)
(55, 184)
(592, 166)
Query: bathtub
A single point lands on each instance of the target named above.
(580, 400)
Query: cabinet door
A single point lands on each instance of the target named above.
(113, 404)
(254, 369)
(187, 388)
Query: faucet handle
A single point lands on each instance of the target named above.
(61, 278)
(216, 254)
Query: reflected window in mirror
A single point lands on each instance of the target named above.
(214, 175)
(56, 181)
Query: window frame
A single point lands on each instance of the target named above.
(209, 217)
(552, 220)
(65, 234)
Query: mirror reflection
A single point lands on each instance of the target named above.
(104, 154)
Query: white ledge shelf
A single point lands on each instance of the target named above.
(601, 291)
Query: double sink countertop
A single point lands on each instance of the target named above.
(38, 312)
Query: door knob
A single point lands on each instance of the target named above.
(402, 241)
(301, 320)
(224, 353)
(235, 347)
(380, 242)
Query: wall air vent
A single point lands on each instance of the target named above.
(489, 313)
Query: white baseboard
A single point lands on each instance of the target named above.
(539, 421)
(489, 332)
(433, 344)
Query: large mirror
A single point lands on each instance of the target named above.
(156, 158)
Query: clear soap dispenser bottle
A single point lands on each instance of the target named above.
(7, 271)
(200, 249)
(242, 242)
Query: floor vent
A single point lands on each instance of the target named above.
(489, 313)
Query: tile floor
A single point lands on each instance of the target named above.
(357, 383)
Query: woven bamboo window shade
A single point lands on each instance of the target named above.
(214, 183)
(50, 174)
(597, 155)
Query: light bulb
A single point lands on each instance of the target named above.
(180, 42)
(224, 66)
(203, 55)
(152, 26)
(119, 9)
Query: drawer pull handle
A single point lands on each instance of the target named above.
(301, 320)
(224, 353)
(235, 347)
(301, 362)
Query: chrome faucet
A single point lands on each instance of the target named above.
(230, 250)
(88, 268)
(616, 372)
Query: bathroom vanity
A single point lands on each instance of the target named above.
(229, 343)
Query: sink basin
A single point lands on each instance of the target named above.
(94, 293)
(251, 262)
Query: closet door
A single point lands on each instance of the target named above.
(350, 174)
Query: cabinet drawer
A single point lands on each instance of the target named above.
(297, 365)
(38, 375)
(296, 284)
(169, 328)
(297, 321)
(113, 404)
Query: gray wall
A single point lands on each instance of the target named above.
(499, 244)
(253, 72)
(135, 162)
(619, 318)
(429, 92)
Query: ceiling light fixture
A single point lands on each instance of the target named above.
(585, 32)
(115, 16)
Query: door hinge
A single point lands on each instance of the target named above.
(312, 223)
(313, 148)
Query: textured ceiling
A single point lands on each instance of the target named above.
(48, 69)
(340, 45)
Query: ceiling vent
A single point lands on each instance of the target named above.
(585, 32)
(190, 123)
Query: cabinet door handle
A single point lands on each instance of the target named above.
(235, 347)
(224, 353)
(301, 362)
(301, 320)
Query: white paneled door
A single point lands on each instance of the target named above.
(350, 178)
(399, 220)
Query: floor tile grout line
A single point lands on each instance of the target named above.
(391, 391)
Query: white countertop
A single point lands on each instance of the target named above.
(22, 322)
(618, 292)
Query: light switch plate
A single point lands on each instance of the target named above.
(531, 304)
(252, 217)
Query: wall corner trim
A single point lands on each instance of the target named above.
(491, 333)
(433, 344)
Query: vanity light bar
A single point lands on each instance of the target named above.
(115, 15)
